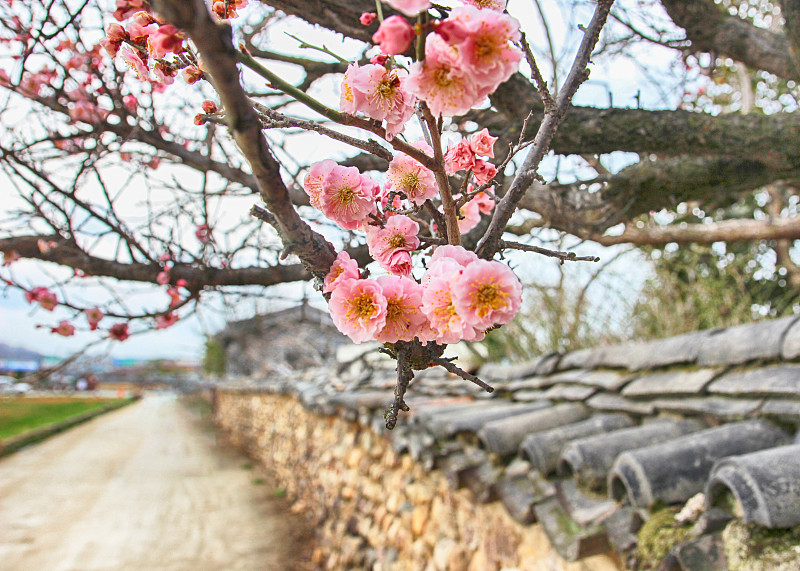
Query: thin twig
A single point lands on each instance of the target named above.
(536, 75)
(447, 364)
(563, 256)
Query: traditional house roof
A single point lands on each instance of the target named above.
(592, 443)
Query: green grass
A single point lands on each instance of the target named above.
(19, 415)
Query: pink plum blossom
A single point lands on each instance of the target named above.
(380, 94)
(398, 235)
(367, 18)
(394, 35)
(119, 332)
(487, 293)
(162, 278)
(134, 60)
(409, 7)
(487, 53)
(203, 233)
(409, 176)
(441, 80)
(347, 197)
(93, 316)
(459, 157)
(343, 268)
(470, 217)
(458, 254)
(166, 39)
(312, 184)
(482, 143)
(64, 328)
(404, 320)
(166, 320)
(174, 296)
(437, 304)
(484, 202)
(43, 296)
(358, 309)
(484, 171)
(497, 5)
(399, 263)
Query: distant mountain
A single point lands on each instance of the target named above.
(18, 353)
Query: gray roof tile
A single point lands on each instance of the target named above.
(781, 409)
(503, 437)
(790, 349)
(616, 403)
(743, 343)
(766, 485)
(721, 407)
(671, 383)
(675, 470)
(569, 392)
(779, 380)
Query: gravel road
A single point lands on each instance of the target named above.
(141, 488)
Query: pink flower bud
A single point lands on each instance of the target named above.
(367, 18)
(394, 35)
(209, 106)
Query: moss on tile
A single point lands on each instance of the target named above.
(657, 536)
(750, 547)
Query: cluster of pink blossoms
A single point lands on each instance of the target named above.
(460, 296)
(467, 56)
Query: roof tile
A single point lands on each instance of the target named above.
(743, 343)
(671, 383)
(779, 380)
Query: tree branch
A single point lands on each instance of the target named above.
(214, 43)
(490, 243)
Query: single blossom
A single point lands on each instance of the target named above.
(134, 60)
(312, 184)
(409, 176)
(166, 320)
(482, 143)
(348, 197)
(404, 320)
(203, 233)
(358, 309)
(380, 94)
(459, 157)
(394, 35)
(209, 107)
(119, 332)
(166, 39)
(398, 235)
(470, 217)
(487, 293)
(437, 304)
(162, 278)
(458, 254)
(484, 171)
(441, 80)
(343, 268)
(174, 296)
(409, 7)
(93, 315)
(488, 52)
(64, 328)
(484, 202)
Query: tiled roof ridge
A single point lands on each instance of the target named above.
(606, 418)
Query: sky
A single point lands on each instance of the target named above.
(618, 82)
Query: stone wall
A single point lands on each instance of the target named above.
(376, 509)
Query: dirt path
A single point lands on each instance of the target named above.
(141, 488)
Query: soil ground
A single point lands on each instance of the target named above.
(145, 487)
